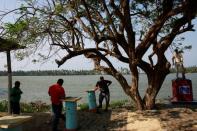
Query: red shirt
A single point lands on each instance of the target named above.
(57, 93)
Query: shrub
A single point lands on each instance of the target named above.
(37, 106)
(31, 107)
(3, 106)
(83, 106)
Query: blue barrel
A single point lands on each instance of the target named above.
(91, 100)
(71, 115)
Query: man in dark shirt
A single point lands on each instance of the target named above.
(104, 91)
(15, 98)
(57, 93)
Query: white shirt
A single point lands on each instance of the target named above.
(178, 57)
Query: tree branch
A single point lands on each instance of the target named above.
(154, 30)
(90, 20)
(166, 41)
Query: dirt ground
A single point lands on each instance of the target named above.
(165, 118)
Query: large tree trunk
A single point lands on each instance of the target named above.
(155, 81)
(154, 86)
(134, 92)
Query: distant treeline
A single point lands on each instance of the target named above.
(51, 72)
(124, 71)
(192, 69)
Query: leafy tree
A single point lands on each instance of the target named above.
(122, 29)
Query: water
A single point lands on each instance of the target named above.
(35, 88)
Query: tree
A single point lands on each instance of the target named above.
(122, 29)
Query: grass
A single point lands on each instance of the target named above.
(3, 106)
(83, 106)
(39, 106)
(31, 107)
(113, 105)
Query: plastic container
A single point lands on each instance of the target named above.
(182, 90)
(71, 115)
(92, 100)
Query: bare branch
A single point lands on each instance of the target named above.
(90, 20)
(154, 30)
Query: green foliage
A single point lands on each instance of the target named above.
(37, 106)
(14, 30)
(3, 106)
(192, 69)
(83, 106)
(51, 72)
(23, 9)
(124, 71)
(113, 105)
(39, 22)
(118, 104)
(58, 8)
(128, 29)
(20, 55)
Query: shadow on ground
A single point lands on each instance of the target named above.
(173, 117)
(103, 121)
(170, 117)
(87, 121)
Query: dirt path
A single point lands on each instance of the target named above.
(167, 118)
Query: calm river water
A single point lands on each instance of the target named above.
(36, 87)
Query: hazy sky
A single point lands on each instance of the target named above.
(190, 57)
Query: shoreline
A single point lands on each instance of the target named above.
(40, 106)
(36, 88)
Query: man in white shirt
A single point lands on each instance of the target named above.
(177, 60)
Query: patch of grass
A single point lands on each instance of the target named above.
(83, 106)
(3, 106)
(31, 107)
(122, 104)
(113, 105)
(118, 104)
(37, 106)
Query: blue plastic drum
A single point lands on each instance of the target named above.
(91, 100)
(71, 115)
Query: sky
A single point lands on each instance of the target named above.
(79, 63)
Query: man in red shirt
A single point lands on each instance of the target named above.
(57, 93)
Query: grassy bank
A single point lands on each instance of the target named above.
(39, 106)
(31, 107)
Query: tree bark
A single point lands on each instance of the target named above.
(135, 85)
(152, 91)
(155, 81)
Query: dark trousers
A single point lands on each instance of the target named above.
(57, 110)
(15, 107)
(107, 99)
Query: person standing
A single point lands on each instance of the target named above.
(15, 96)
(103, 84)
(57, 94)
(177, 60)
